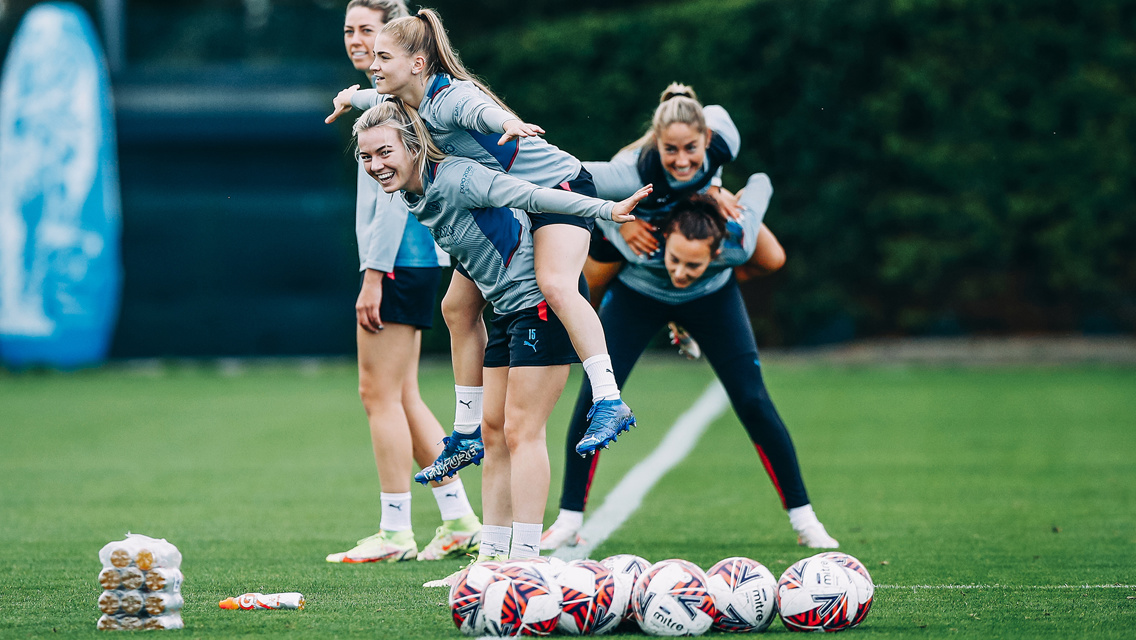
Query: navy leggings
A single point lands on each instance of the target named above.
(719, 323)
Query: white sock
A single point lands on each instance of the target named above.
(602, 377)
(800, 518)
(452, 501)
(570, 519)
(396, 511)
(526, 540)
(467, 411)
(495, 540)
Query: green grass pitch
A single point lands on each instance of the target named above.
(1021, 481)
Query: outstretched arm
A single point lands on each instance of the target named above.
(349, 98)
(508, 191)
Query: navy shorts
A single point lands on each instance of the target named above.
(602, 250)
(531, 337)
(582, 184)
(409, 294)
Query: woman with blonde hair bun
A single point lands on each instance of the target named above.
(682, 154)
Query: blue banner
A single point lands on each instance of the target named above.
(60, 209)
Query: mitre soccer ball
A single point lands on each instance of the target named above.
(520, 601)
(672, 599)
(816, 594)
(745, 595)
(865, 588)
(626, 568)
(465, 596)
(588, 591)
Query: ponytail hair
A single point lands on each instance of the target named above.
(697, 218)
(411, 130)
(677, 104)
(423, 34)
(390, 9)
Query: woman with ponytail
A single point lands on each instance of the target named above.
(401, 269)
(415, 63)
(478, 215)
(684, 149)
(682, 154)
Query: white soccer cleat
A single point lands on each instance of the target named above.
(452, 579)
(687, 346)
(559, 535)
(814, 536)
(384, 546)
(446, 582)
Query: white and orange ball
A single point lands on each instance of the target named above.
(816, 594)
(589, 607)
(626, 568)
(745, 595)
(521, 601)
(865, 588)
(672, 598)
(465, 596)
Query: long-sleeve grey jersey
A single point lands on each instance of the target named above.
(477, 215)
(648, 274)
(380, 230)
(630, 170)
(464, 121)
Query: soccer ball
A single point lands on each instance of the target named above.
(745, 595)
(520, 601)
(865, 588)
(816, 594)
(588, 590)
(671, 599)
(626, 568)
(465, 596)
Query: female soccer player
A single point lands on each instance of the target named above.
(477, 214)
(682, 153)
(692, 282)
(415, 63)
(401, 271)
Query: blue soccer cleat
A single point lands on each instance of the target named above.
(607, 419)
(460, 451)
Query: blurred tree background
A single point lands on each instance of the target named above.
(941, 167)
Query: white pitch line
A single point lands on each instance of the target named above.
(1005, 586)
(626, 497)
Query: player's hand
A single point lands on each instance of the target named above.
(639, 235)
(369, 300)
(621, 212)
(515, 129)
(728, 206)
(342, 103)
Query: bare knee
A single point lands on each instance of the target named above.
(558, 291)
(459, 314)
(375, 394)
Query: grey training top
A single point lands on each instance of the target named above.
(648, 275)
(478, 216)
(464, 121)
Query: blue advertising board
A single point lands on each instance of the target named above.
(60, 208)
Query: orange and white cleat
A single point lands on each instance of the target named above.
(559, 535)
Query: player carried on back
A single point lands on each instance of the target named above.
(415, 63)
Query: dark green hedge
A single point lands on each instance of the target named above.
(940, 166)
